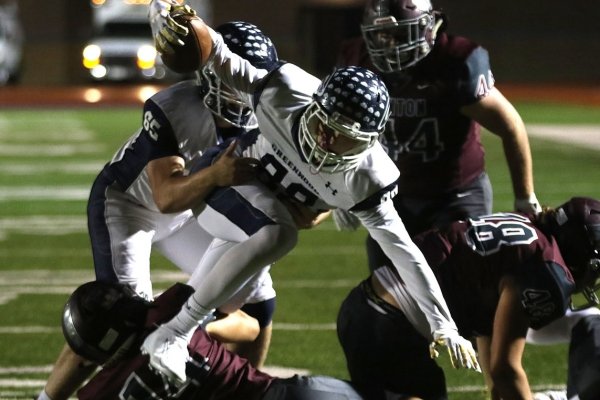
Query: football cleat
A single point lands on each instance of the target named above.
(168, 354)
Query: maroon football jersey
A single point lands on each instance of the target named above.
(214, 373)
(436, 148)
(469, 259)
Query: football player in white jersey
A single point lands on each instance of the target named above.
(141, 199)
(318, 146)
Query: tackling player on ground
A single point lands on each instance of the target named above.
(106, 323)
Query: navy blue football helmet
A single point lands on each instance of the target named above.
(576, 228)
(399, 33)
(103, 321)
(351, 101)
(247, 41)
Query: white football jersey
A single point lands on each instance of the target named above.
(175, 122)
(279, 98)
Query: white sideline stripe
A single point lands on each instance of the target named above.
(587, 136)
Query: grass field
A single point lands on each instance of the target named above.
(49, 158)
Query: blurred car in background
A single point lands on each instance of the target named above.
(11, 43)
(121, 47)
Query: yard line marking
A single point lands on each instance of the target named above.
(28, 369)
(50, 150)
(278, 326)
(22, 383)
(28, 329)
(285, 326)
(69, 134)
(37, 169)
(44, 192)
(316, 283)
(66, 279)
(44, 224)
(284, 372)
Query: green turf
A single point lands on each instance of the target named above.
(44, 248)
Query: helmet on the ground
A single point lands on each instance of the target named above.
(350, 103)
(102, 321)
(399, 33)
(247, 41)
(576, 227)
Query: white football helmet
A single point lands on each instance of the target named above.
(352, 103)
(247, 41)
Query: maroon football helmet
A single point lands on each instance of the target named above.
(103, 321)
(399, 33)
(576, 228)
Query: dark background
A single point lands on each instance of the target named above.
(551, 41)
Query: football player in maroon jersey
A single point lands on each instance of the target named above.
(501, 275)
(442, 92)
(106, 322)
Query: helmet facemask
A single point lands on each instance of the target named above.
(576, 228)
(250, 43)
(319, 132)
(348, 113)
(590, 286)
(224, 103)
(397, 45)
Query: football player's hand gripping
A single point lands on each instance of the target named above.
(167, 32)
(231, 170)
(461, 351)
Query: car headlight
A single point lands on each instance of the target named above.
(146, 56)
(91, 56)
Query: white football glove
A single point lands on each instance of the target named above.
(461, 351)
(345, 220)
(529, 205)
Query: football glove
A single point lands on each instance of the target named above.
(461, 351)
(345, 220)
(167, 32)
(529, 205)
